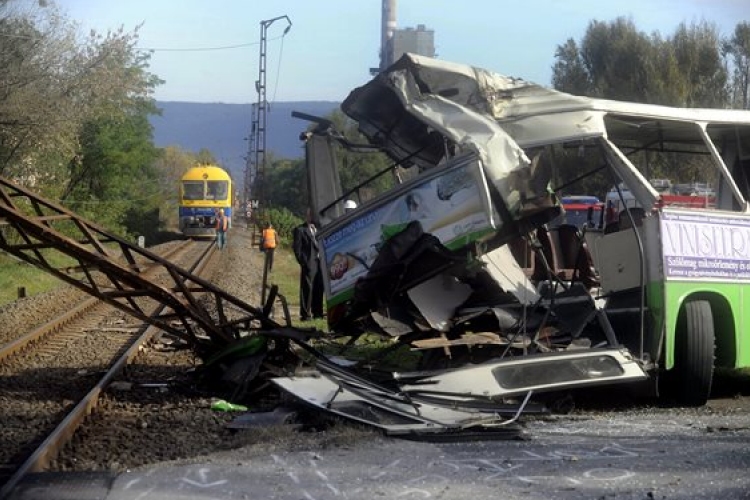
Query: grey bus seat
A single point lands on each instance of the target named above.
(575, 256)
(637, 213)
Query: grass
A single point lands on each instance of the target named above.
(376, 351)
(15, 274)
(285, 274)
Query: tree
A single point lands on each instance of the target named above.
(700, 70)
(286, 186)
(617, 58)
(617, 61)
(170, 166)
(74, 115)
(286, 180)
(26, 53)
(569, 73)
(737, 50)
(53, 86)
(115, 180)
(206, 157)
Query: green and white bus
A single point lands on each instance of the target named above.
(661, 295)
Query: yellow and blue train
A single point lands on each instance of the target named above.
(204, 190)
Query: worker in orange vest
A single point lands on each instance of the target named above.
(222, 226)
(269, 240)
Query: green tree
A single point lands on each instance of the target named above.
(286, 180)
(569, 73)
(283, 220)
(170, 166)
(55, 85)
(617, 61)
(115, 180)
(286, 186)
(206, 157)
(700, 74)
(737, 50)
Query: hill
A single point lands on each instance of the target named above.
(222, 128)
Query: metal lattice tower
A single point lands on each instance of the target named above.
(251, 168)
(259, 122)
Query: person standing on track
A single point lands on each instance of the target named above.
(222, 227)
(268, 241)
(310, 279)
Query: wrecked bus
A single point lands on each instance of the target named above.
(459, 259)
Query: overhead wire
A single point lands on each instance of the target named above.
(156, 49)
(278, 69)
(196, 49)
(203, 49)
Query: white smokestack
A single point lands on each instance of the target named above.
(386, 38)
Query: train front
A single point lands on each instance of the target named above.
(204, 190)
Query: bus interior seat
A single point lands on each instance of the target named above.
(561, 252)
(547, 252)
(521, 249)
(576, 256)
(637, 213)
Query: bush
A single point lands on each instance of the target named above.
(283, 220)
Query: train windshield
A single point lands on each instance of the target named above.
(217, 190)
(192, 190)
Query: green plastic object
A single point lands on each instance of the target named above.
(222, 405)
(247, 346)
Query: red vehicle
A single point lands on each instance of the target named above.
(581, 211)
(667, 198)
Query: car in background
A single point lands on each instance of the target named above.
(662, 186)
(582, 211)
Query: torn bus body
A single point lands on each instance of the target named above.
(463, 260)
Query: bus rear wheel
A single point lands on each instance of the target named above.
(693, 370)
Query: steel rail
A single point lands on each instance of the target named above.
(53, 325)
(49, 449)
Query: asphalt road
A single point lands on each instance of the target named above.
(641, 453)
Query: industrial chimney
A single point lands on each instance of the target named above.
(386, 38)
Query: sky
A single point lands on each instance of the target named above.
(209, 50)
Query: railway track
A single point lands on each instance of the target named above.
(53, 375)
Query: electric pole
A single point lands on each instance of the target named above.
(261, 108)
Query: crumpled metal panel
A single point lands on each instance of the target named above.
(511, 377)
(360, 400)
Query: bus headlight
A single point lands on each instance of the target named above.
(553, 372)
